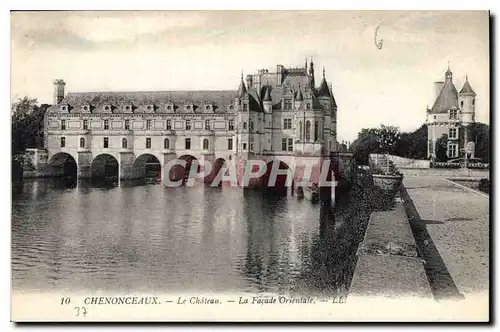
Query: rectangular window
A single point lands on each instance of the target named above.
(283, 144)
(207, 124)
(244, 146)
(287, 104)
(63, 124)
(452, 151)
(251, 146)
(453, 114)
(188, 143)
(245, 107)
(231, 124)
(169, 124)
(106, 142)
(290, 144)
(148, 142)
(251, 125)
(63, 142)
(308, 106)
(431, 147)
(287, 124)
(453, 133)
(188, 124)
(148, 124)
(85, 124)
(244, 125)
(127, 124)
(106, 124)
(230, 144)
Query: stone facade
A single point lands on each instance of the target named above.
(451, 111)
(278, 114)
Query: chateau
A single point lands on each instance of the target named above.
(281, 114)
(451, 111)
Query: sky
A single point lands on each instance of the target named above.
(208, 50)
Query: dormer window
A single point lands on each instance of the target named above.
(149, 107)
(170, 107)
(127, 108)
(107, 108)
(64, 108)
(188, 107)
(453, 114)
(231, 107)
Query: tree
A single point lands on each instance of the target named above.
(27, 124)
(364, 144)
(441, 148)
(480, 135)
(374, 140)
(413, 145)
(387, 137)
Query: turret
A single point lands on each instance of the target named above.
(467, 102)
(242, 90)
(324, 90)
(59, 85)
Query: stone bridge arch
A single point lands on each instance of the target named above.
(105, 165)
(147, 165)
(64, 164)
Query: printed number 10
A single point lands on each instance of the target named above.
(65, 300)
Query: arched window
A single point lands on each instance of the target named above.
(316, 130)
(82, 142)
(205, 144)
(166, 144)
(462, 103)
(308, 131)
(124, 143)
(300, 130)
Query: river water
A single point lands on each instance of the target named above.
(136, 238)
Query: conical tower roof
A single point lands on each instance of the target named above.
(242, 90)
(447, 99)
(267, 95)
(324, 90)
(466, 89)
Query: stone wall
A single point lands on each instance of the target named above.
(448, 172)
(402, 163)
(389, 265)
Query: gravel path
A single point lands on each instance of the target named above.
(458, 222)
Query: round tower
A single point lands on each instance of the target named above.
(467, 103)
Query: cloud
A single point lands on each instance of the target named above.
(92, 30)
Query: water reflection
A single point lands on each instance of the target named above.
(137, 236)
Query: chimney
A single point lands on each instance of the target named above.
(438, 86)
(279, 71)
(249, 81)
(59, 85)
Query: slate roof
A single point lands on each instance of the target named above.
(324, 90)
(140, 100)
(447, 99)
(466, 89)
(293, 84)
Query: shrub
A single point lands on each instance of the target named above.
(484, 185)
